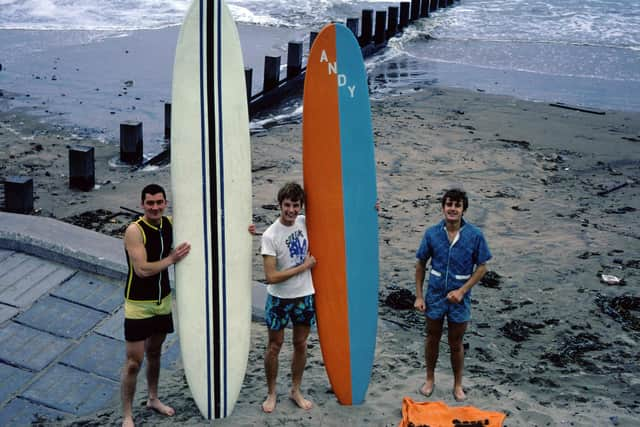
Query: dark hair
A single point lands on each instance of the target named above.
(292, 191)
(456, 195)
(152, 189)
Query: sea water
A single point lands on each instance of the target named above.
(584, 52)
(581, 52)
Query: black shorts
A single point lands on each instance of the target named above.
(141, 329)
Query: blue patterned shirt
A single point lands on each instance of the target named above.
(452, 264)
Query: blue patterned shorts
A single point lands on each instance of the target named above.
(438, 307)
(278, 311)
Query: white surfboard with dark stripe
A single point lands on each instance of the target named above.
(211, 205)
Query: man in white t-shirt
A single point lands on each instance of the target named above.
(287, 267)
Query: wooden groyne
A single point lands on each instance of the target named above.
(373, 29)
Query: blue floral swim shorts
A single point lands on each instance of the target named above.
(278, 311)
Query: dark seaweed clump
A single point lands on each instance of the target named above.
(103, 221)
(624, 309)
(491, 280)
(574, 348)
(402, 299)
(519, 330)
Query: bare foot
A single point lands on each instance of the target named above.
(458, 394)
(427, 388)
(269, 404)
(127, 422)
(299, 399)
(160, 407)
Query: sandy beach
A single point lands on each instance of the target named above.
(549, 344)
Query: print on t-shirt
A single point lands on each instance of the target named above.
(297, 245)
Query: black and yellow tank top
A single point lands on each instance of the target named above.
(158, 241)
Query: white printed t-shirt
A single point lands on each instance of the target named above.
(290, 246)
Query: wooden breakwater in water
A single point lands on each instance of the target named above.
(372, 31)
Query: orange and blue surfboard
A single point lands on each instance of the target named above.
(340, 181)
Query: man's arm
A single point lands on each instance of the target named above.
(273, 275)
(456, 296)
(134, 244)
(421, 268)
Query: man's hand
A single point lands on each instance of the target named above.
(419, 304)
(455, 296)
(180, 251)
(309, 261)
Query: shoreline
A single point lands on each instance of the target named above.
(543, 345)
(92, 82)
(93, 85)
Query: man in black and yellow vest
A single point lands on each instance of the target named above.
(148, 244)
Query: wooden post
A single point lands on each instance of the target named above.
(392, 25)
(82, 173)
(294, 59)
(367, 27)
(433, 6)
(312, 38)
(353, 24)
(381, 23)
(271, 73)
(442, 4)
(404, 14)
(131, 142)
(424, 8)
(18, 194)
(167, 121)
(415, 9)
(248, 81)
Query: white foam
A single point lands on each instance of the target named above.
(596, 22)
(244, 15)
(90, 14)
(150, 14)
(259, 125)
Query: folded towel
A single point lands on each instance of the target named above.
(439, 414)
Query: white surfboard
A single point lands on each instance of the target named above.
(211, 203)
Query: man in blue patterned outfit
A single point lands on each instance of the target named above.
(458, 253)
(287, 267)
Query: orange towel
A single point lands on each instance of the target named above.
(438, 414)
